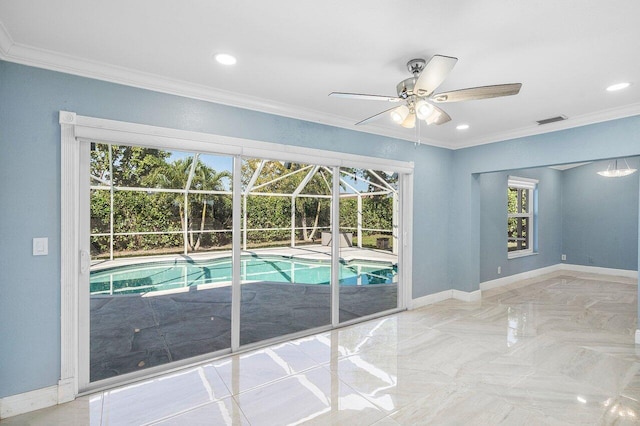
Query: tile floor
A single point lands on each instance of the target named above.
(555, 350)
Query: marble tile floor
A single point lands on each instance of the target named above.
(557, 350)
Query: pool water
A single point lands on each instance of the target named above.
(158, 276)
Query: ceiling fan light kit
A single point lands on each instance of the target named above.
(409, 122)
(400, 113)
(417, 93)
(423, 109)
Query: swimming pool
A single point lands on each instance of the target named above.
(159, 276)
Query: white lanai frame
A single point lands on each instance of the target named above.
(109, 185)
(384, 189)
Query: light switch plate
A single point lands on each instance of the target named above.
(41, 246)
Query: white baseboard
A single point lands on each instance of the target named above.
(28, 401)
(430, 299)
(487, 285)
(597, 270)
(66, 390)
(475, 296)
(465, 296)
(37, 399)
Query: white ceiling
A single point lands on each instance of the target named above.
(292, 54)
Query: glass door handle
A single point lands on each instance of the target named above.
(85, 261)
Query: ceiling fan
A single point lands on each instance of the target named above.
(417, 97)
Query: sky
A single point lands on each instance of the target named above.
(221, 163)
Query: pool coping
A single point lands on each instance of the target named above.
(310, 252)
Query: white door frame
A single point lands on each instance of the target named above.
(75, 204)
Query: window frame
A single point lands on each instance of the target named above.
(531, 186)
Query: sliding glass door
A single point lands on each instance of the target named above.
(193, 253)
(160, 275)
(285, 264)
(369, 243)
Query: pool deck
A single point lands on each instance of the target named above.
(136, 331)
(133, 332)
(308, 252)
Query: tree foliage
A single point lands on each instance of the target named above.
(517, 227)
(156, 215)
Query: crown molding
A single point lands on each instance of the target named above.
(577, 121)
(5, 42)
(41, 58)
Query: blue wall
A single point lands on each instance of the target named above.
(30, 99)
(591, 219)
(600, 217)
(616, 138)
(447, 196)
(493, 223)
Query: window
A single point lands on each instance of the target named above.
(521, 194)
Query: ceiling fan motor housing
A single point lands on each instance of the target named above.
(405, 87)
(415, 66)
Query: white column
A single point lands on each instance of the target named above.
(69, 258)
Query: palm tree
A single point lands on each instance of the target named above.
(176, 175)
(207, 179)
(172, 175)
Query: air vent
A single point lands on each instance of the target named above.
(552, 119)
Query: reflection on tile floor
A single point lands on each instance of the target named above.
(554, 350)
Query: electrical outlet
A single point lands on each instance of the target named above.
(499, 270)
(564, 257)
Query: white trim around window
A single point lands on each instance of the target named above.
(528, 185)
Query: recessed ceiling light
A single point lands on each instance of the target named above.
(462, 126)
(618, 86)
(225, 59)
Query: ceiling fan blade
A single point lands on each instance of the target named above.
(474, 93)
(433, 74)
(375, 117)
(365, 97)
(438, 116)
